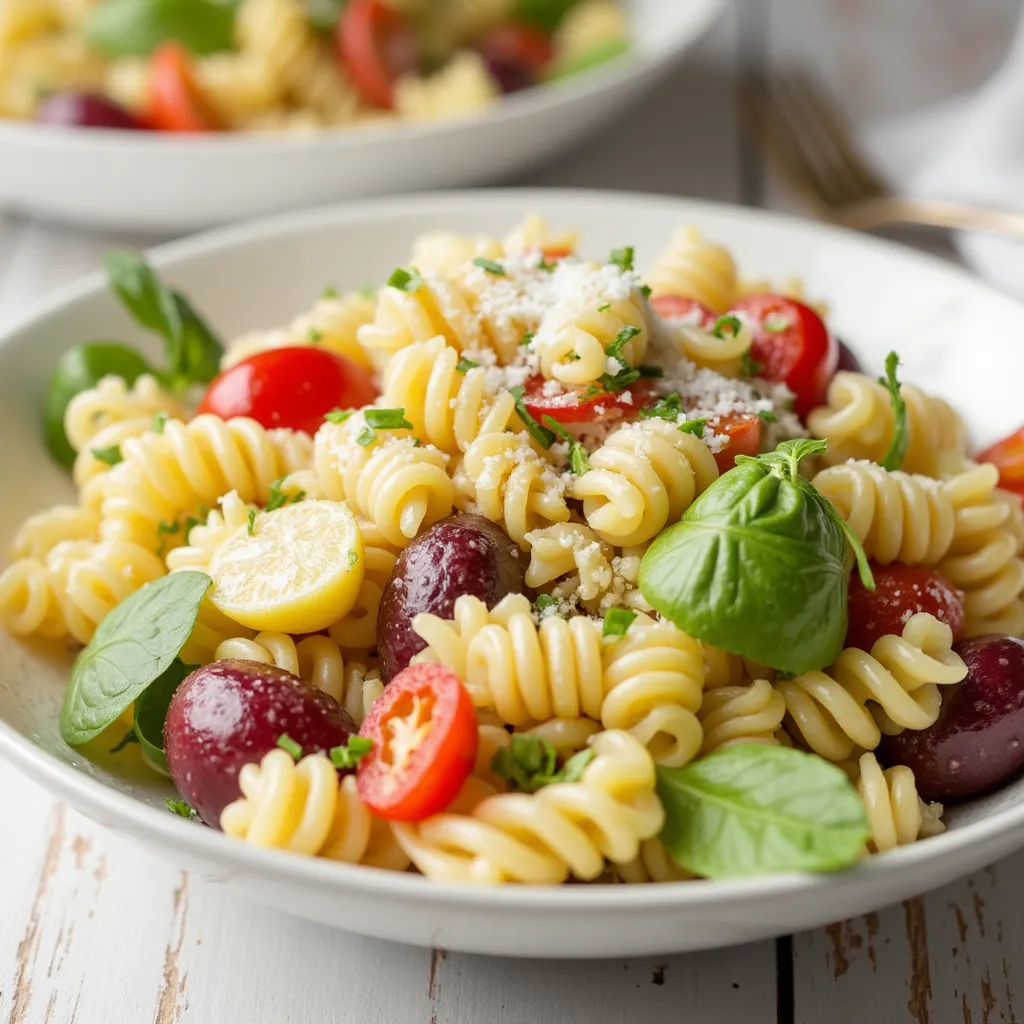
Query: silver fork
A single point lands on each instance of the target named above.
(801, 127)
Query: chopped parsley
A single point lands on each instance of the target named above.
(776, 323)
(765, 416)
(351, 753)
(732, 324)
(464, 365)
(338, 415)
(617, 621)
(649, 370)
(669, 407)
(530, 763)
(619, 381)
(544, 603)
(159, 422)
(544, 437)
(381, 419)
(180, 808)
(277, 497)
(111, 456)
(167, 528)
(622, 339)
(405, 280)
(199, 519)
(285, 742)
(623, 258)
(329, 292)
(695, 427)
(252, 522)
(578, 461)
(527, 338)
(490, 266)
(546, 265)
(749, 366)
(314, 336)
(604, 308)
(645, 290)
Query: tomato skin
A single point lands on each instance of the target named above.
(900, 591)
(289, 387)
(519, 45)
(175, 102)
(674, 307)
(435, 769)
(568, 407)
(744, 432)
(803, 355)
(1008, 456)
(375, 46)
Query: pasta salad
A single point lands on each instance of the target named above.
(288, 65)
(524, 567)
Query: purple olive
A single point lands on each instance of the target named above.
(978, 741)
(847, 360)
(87, 110)
(464, 554)
(231, 713)
(510, 75)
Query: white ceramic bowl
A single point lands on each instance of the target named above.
(152, 182)
(956, 336)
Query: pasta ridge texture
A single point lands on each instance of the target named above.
(896, 814)
(695, 268)
(750, 713)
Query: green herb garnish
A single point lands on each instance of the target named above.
(314, 336)
(649, 370)
(111, 456)
(490, 266)
(776, 323)
(766, 416)
(622, 339)
(695, 427)
(544, 603)
(180, 808)
(159, 422)
(668, 407)
(329, 292)
(749, 366)
(349, 755)
(623, 258)
(530, 763)
(251, 527)
(604, 308)
(338, 415)
(464, 365)
(286, 743)
(544, 437)
(727, 327)
(405, 280)
(897, 450)
(527, 338)
(579, 463)
(617, 621)
(381, 419)
(277, 498)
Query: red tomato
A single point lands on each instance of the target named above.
(554, 253)
(425, 737)
(571, 407)
(176, 103)
(672, 307)
(744, 432)
(518, 45)
(289, 387)
(900, 591)
(795, 348)
(376, 46)
(1008, 456)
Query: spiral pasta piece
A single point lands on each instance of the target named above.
(165, 477)
(990, 573)
(900, 676)
(462, 86)
(721, 352)
(541, 838)
(644, 476)
(448, 407)
(724, 669)
(237, 87)
(750, 713)
(445, 252)
(562, 548)
(533, 233)
(304, 808)
(504, 479)
(858, 423)
(41, 533)
(896, 814)
(655, 864)
(358, 629)
(697, 269)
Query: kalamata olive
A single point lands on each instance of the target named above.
(87, 110)
(847, 360)
(978, 741)
(231, 713)
(510, 76)
(900, 591)
(464, 554)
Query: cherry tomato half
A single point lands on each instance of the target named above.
(900, 591)
(175, 101)
(572, 407)
(677, 307)
(744, 432)
(425, 737)
(1008, 456)
(793, 344)
(289, 387)
(519, 45)
(376, 46)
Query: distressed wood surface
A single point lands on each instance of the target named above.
(93, 929)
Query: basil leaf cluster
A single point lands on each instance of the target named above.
(755, 809)
(134, 646)
(135, 28)
(758, 565)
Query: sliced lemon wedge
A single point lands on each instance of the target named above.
(295, 570)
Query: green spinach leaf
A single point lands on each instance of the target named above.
(133, 647)
(151, 712)
(754, 809)
(758, 565)
(135, 28)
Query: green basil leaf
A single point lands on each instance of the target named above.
(135, 28)
(754, 809)
(133, 646)
(151, 712)
(193, 350)
(79, 369)
(757, 565)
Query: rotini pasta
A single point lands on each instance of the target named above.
(750, 713)
(896, 814)
(40, 534)
(461, 87)
(696, 269)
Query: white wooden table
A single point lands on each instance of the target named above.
(94, 930)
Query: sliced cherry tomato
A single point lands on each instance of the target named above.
(175, 101)
(572, 407)
(1008, 456)
(518, 45)
(425, 737)
(376, 46)
(744, 432)
(794, 346)
(289, 387)
(554, 253)
(900, 591)
(678, 307)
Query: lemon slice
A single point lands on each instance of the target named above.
(295, 570)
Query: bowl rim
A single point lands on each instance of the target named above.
(155, 826)
(634, 65)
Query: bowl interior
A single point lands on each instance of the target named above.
(955, 336)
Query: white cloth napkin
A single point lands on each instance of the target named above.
(971, 149)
